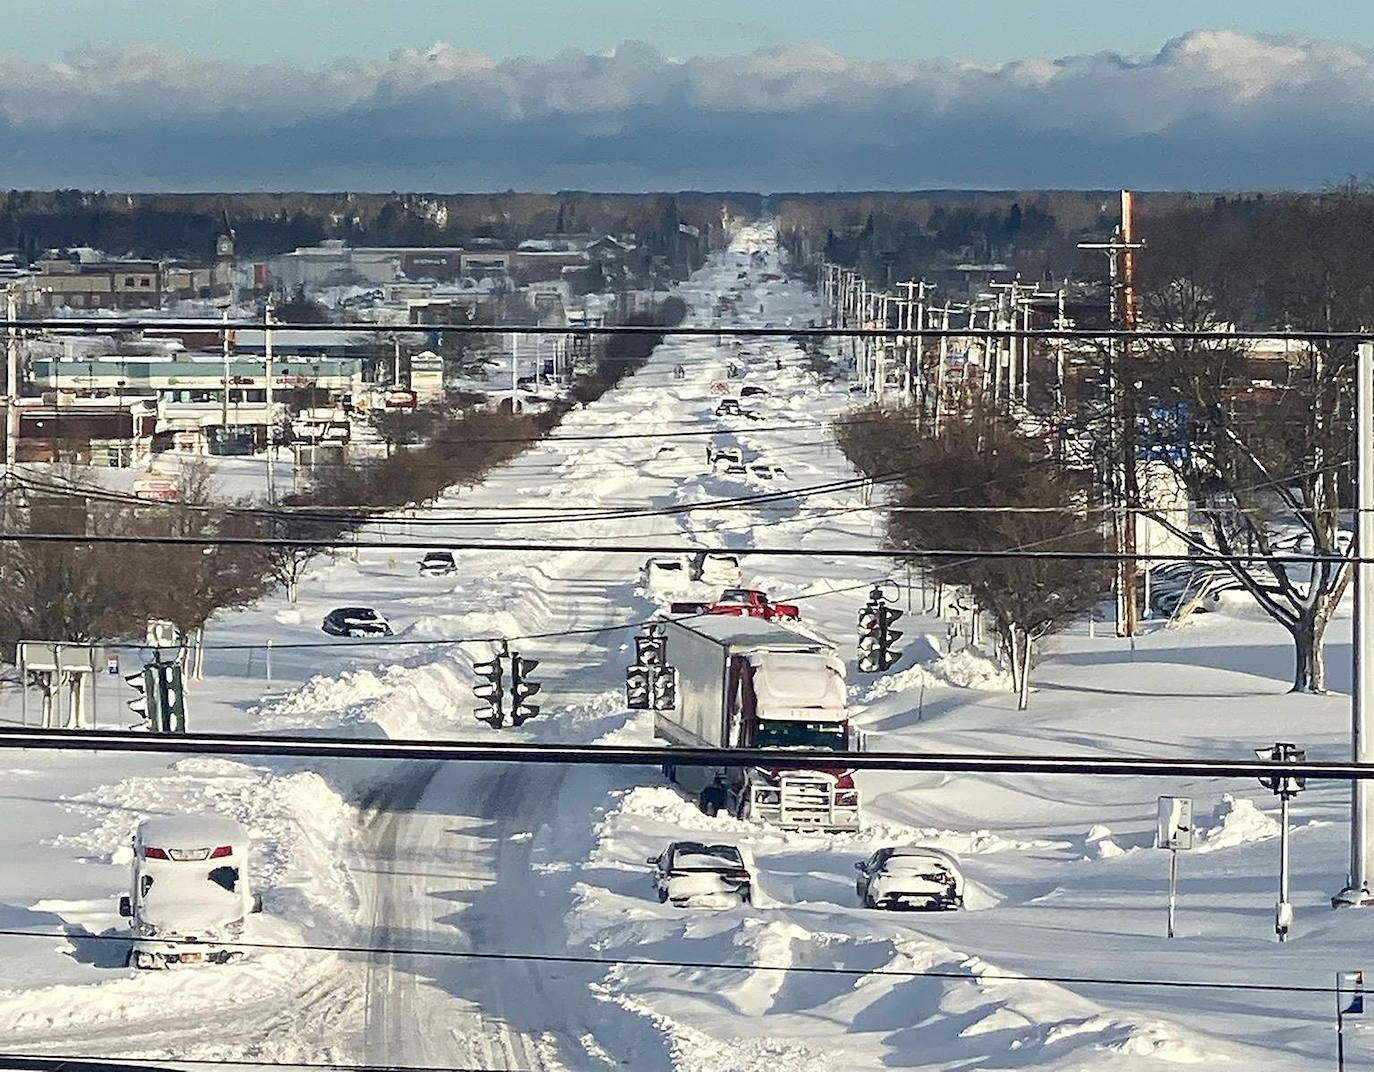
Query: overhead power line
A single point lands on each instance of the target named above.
(401, 543)
(707, 965)
(88, 325)
(656, 756)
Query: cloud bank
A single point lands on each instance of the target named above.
(1211, 109)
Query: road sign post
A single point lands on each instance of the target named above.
(1175, 832)
(1349, 1004)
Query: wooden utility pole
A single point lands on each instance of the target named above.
(1122, 484)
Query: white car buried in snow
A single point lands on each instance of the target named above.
(692, 873)
(916, 877)
(190, 893)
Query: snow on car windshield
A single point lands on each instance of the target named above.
(707, 856)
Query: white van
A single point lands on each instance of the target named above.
(190, 893)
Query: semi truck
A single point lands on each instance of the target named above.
(745, 682)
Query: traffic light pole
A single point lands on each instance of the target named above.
(1357, 889)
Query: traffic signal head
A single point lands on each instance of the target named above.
(663, 689)
(488, 687)
(637, 688)
(649, 650)
(869, 621)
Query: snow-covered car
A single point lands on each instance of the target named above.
(666, 576)
(693, 873)
(438, 564)
(716, 569)
(355, 622)
(729, 407)
(915, 877)
(752, 389)
(190, 893)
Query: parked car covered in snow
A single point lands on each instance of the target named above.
(690, 872)
(438, 564)
(716, 568)
(355, 622)
(190, 893)
(915, 877)
(666, 576)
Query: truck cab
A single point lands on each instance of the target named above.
(190, 893)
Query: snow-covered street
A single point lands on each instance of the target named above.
(444, 860)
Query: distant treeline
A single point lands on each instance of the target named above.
(1263, 260)
(895, 236)
(185, 225)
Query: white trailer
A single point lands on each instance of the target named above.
(751, 683)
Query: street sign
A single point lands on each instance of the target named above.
(1349, 1002)
(161, 633)
(1350, 992)
(1174, 832)
(1175, 823)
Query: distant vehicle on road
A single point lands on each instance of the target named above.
(716, 568)
(189, 895)
(741, 602)
(355, 622)
(917, 877)
(690, 872)
(438, 564)
(666, 576)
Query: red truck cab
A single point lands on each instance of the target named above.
(742, 602)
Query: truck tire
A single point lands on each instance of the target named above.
(712, 799)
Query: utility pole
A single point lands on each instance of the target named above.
(1357, 890)
(224, 402)
(1121, 416)
(271, 422)
(943, 357)
(11, 383)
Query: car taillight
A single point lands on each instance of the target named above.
(152, 853)
(738, 873)
(223, 850)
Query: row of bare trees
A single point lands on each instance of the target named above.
(1260, 437)
(78, 591)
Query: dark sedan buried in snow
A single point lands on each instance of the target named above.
(355, 622)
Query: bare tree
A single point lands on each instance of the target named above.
(985, 487)
(1263, 463)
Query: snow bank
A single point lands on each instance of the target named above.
(1236, 821)
(966, 669)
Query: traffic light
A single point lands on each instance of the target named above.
(637, 688)
(489, 688)
(522, 689)
(1283, 785)
(649, 650)
(145, 704)
(876, 635)
(663, 688)
(171, 697)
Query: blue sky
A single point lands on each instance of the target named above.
(314, 32)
